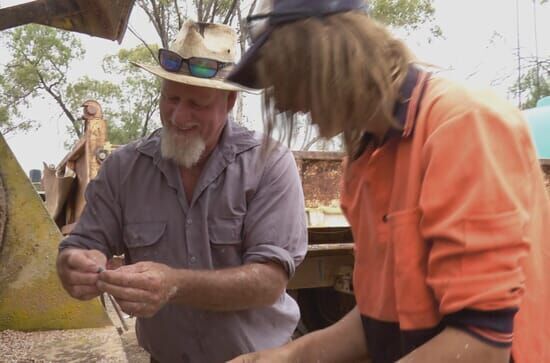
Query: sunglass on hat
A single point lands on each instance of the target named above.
(273, 13)
(208, 50)
(197, 66)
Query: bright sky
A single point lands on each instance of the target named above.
(478, 46)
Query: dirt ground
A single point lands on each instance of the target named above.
(110, 344)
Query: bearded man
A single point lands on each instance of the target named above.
(211, 224)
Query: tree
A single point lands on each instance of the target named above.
(41, 57)
(137, 114)
(409, 15)
(534, 83)
(40, 60)
(130, 105)
(167, 16)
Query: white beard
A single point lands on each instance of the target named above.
(185, 152)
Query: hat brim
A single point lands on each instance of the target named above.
(194, 81)
(244, 73)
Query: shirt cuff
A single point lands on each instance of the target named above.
(270, 253)
(493, 327)
(75, 241)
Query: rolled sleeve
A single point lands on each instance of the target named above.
(475, 201)
(275, 227)
(99, 226)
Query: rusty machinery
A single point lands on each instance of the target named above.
(101, 18)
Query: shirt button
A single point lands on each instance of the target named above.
(193, 259)
(189, 221)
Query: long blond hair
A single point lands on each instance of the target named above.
(345, 69)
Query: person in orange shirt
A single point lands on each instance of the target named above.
(442, 189)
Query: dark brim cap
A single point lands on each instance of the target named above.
(286, 11)
(244, 72)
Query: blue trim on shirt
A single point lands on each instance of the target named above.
(501, 321)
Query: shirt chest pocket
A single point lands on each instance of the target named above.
(226, 242)
(143, 241)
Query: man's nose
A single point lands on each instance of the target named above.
(181, 115)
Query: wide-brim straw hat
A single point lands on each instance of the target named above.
(202, 40)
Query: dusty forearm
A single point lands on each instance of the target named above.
(453, 344)
(244, 287)
(328, 345)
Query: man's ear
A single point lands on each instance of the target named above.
(231, 99)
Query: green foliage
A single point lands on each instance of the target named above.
(139, 94)
(41, 57)
(406, 14)
(215, 10)
(167, 16)
(534, 84)
(39, 62)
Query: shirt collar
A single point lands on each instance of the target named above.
(234, 140)
(410, 95)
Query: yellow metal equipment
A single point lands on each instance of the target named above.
(31, 296)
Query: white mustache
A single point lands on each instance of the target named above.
(185, 127)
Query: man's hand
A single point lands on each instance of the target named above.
(141, 289)
(277, 355)
(78, 271)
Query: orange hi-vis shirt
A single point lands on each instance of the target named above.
(451, 222)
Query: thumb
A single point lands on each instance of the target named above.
(93, 261)
(97, 256)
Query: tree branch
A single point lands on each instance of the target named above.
(231, 12)
(178, 13)
(144, 43)
(60, 102)
(200, 10)
(215, 8)
(150, 113)
(20, 125)
(208, 10)
(252, 7)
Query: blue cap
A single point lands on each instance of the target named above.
(285, 11)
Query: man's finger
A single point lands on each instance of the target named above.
(81, 261)
(125, 293)
(84, 292)
(81, 278)
(126, 278)
(133, 308)
(135, 268)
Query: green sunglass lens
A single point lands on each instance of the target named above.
(204, 68)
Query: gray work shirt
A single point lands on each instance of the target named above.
(246, 207)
